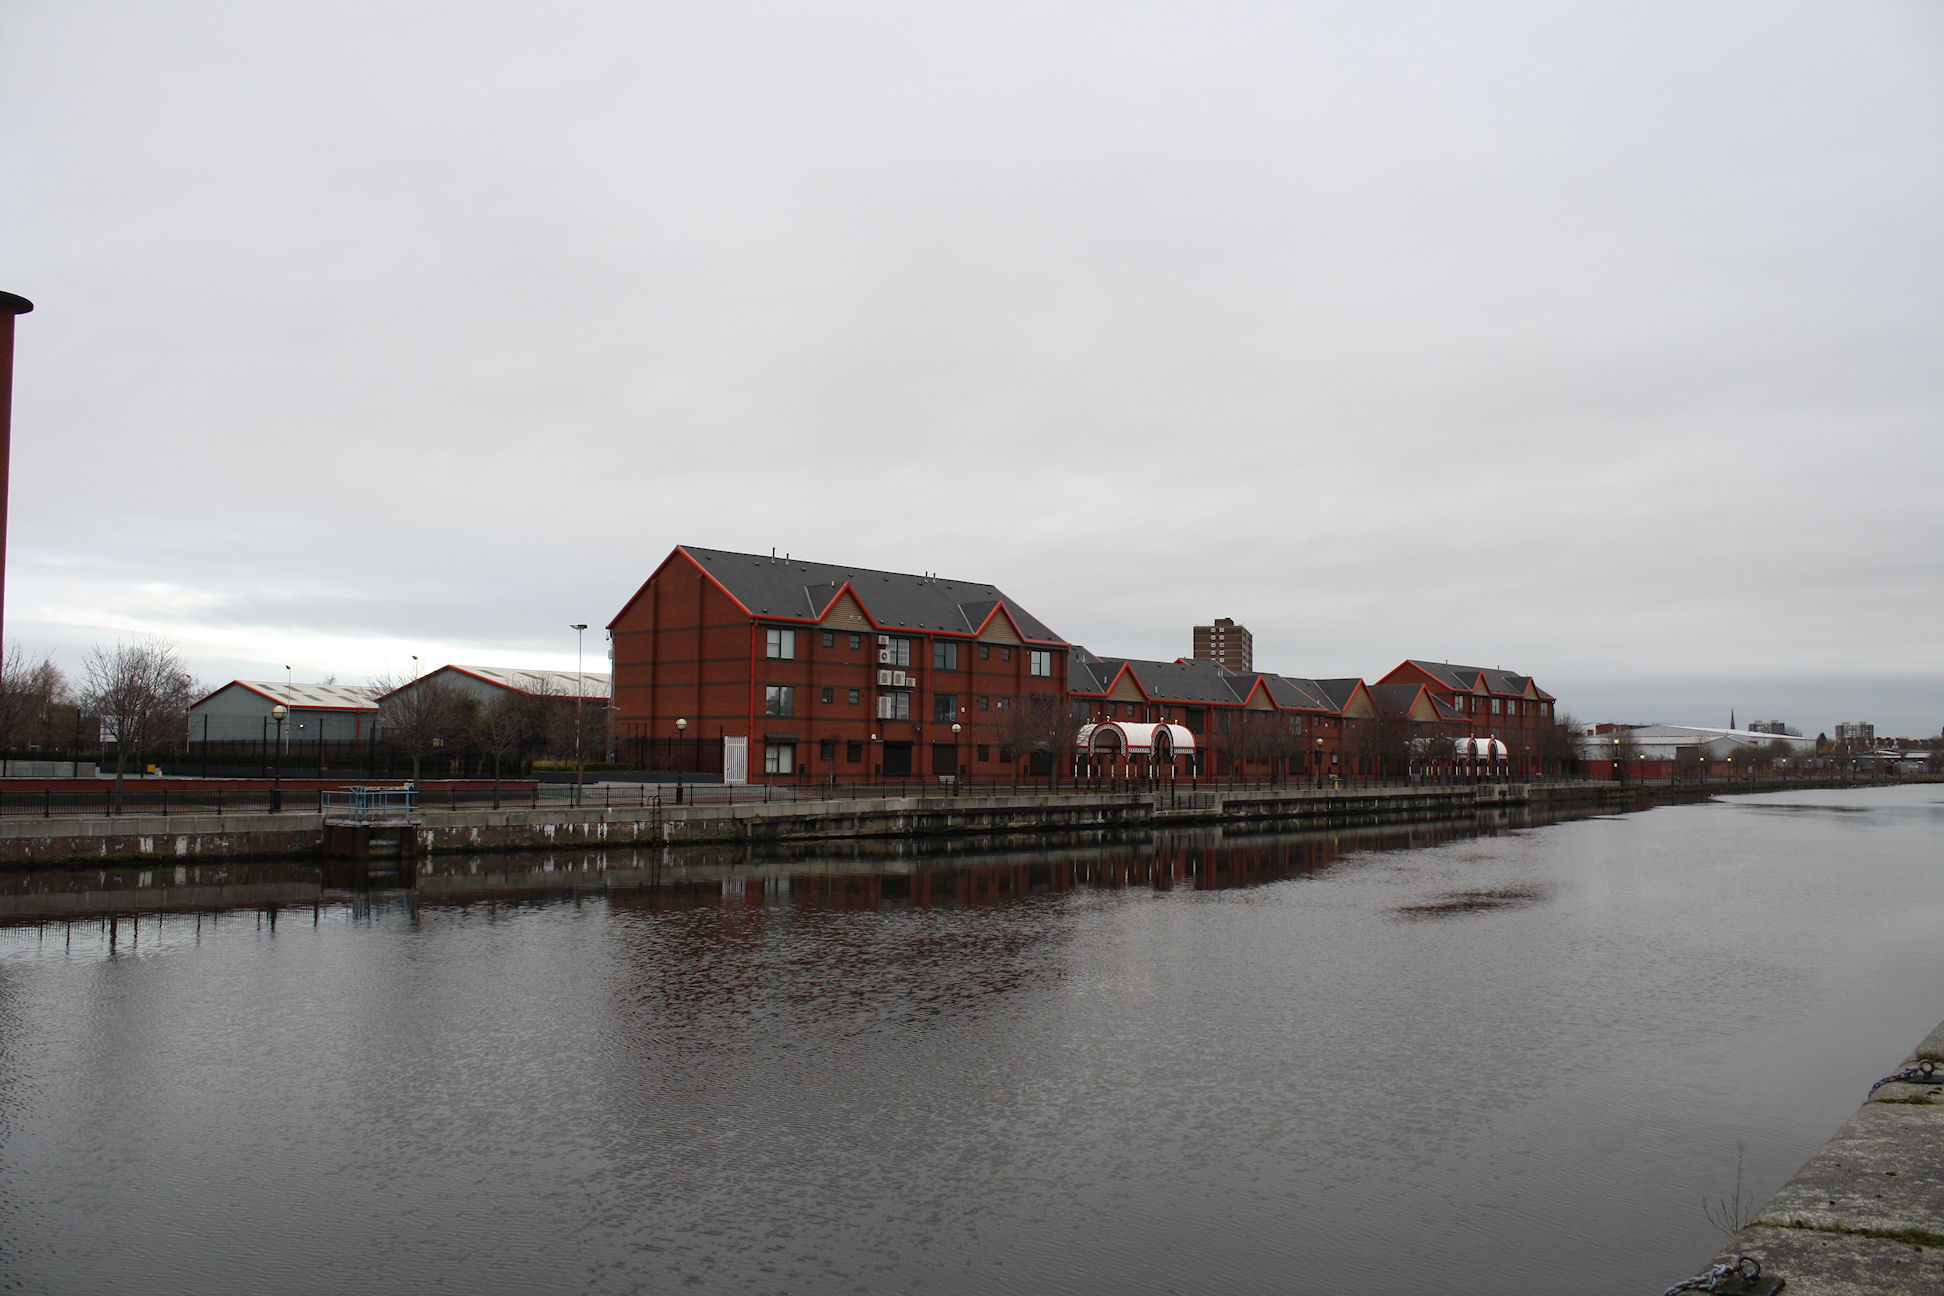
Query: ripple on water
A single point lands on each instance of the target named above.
(1326, 1062)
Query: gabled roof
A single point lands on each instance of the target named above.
(1395, 699)
(1184, 680)
(1401, 699)
(1293, 694)
(1339, 691)
(1087, 673)
(798, 590)
(537, 681)
(306, 697)
(551, 683)
(1465, 679)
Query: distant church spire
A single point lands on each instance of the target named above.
(1731, 717)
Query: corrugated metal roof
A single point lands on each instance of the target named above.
(553, 683)
(308, 697)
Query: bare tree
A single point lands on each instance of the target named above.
(1247, 742)
(1391, 743)
(29, 690)
(1038, 724)
(1281, 742)
(1555, 746)
(141, 692)
(506, 723)
(561, 718)
(1624, 750)
(1364, 743)
(422, 715)
(1432, 746)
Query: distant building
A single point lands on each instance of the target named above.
(242, 711)
(1856, 735)
(487, 684)
(1226, 644)
(1660, 750)
(1769, 727)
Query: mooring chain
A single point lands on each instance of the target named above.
(1924, 1072)
(1747, 1268)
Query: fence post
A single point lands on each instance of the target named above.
(47, 803)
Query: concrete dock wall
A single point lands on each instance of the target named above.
(1865, 1216)
(29, 840)
(36, 841)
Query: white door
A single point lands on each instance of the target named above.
(735, 760)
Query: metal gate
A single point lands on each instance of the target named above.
(735, 760)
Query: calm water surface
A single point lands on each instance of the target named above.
(1395, 1063)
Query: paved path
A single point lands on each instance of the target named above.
(1865, 1216)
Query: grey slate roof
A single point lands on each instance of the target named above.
(1191, 680)
(1463, 678)
(1174, 681)
(1395, 699)
(1298, 694)
(793, 587)
(1338, 691)
(1086, 673)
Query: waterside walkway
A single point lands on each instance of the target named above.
(1865, 1216)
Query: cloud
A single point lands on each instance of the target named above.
(1599, 342)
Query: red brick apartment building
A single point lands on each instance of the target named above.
(1487, 703)
(814, 670)
(810, 671)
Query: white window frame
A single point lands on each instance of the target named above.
(781, 645)
(1042, 666)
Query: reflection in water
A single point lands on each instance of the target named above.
(1209, 1062)
(952, 872)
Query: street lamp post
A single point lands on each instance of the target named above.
(279, 711)
(1319, 764)
(681, 725)
(957, 765)
(580, 688)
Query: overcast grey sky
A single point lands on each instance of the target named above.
(1603, 342)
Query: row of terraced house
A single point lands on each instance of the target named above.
(785, 670)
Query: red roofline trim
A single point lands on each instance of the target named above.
(677, 551)
(302, 706)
